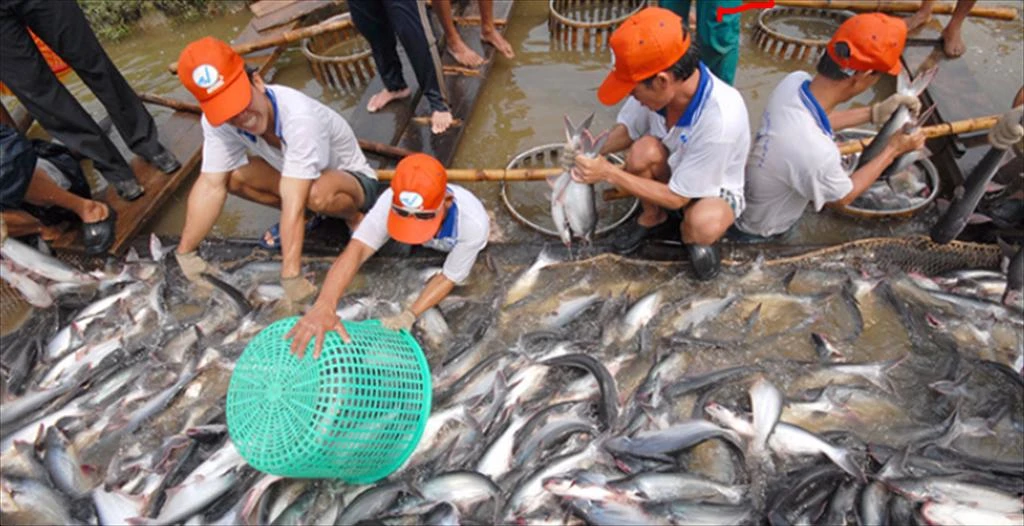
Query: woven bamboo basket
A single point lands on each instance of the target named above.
(340, 59)
(785, 46)
(14, 310)
(588, 24)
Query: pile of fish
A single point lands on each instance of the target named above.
(600, 391)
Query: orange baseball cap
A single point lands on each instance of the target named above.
(215, 74)
(875, 41)
(646, 44)
(419, 187)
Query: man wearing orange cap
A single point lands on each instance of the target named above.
(420, 208)
(687, 132)
(794, 160)
(272, 145)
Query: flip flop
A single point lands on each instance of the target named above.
(99, 236)
(275, 232)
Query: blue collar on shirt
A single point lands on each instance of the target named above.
(449, 227)
(696, 106)
(277, 120)
(820, 117)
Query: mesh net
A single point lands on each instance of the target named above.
(356, 413)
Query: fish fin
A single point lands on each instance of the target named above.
(993, 187)
(132, 256)
(586, 140)
(921, 82)
(570, 130)
(585, 125)
(958, 192)
(978, 219)
(595, 148)
(924, 116)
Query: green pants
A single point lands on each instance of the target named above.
(719, 41)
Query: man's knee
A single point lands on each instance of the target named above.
(705, 225)
(646, 155)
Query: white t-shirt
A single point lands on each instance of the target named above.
(707, 146)
(463, 232)
(794, 161)
(313, 138)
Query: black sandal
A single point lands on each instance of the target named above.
(99, 236)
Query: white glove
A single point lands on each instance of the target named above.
(1007, 131)
(567, 156)
(880, 112)
(403, 320)
(297, 288)
(192, 266)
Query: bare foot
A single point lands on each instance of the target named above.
(440, 121)
(953, 42)
(918, 19)
(494, 38)
(383, 97)
(463, 54)
(94, 212)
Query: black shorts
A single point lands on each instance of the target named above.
(372, 189)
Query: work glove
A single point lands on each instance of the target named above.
(297, 289)
(567, 156)
(403, 320)
(881, 111)
(192, 265)
(1008, 130)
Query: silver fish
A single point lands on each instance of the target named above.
(41, 264)
(573, 204)
(900, 118)
(33, 292)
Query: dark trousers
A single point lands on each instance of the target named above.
(62, 25)
(380, 21)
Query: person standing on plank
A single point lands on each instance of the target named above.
(420, 208)
(62, 25)
(380, 21)
(952, 35)
(457, 48)
(272, 145)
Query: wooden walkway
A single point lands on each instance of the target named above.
(394, 125)
(182, 132)
(957, 96)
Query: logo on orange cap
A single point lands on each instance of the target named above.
(419, 186)
(215, 75)
(875, 42)
(646, 44)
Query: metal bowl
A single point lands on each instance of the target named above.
(850, 161)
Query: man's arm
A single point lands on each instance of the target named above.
(433, 292)
(599, 169)
(618, 140)
(842, 119)
(864, 177)
(294, 192)
(322, 317)
(205, 202)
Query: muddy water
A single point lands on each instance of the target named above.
(523, 101)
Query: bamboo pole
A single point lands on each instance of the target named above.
(294, 35)
(930, 132)
(901, 6)
(489, 174)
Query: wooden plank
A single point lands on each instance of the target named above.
(182, 134)
(265, 7)
(386, 125)
(19, 119)
(463, 92)
(291, 13)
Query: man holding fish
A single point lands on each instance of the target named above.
(687, 135)
(794, 160)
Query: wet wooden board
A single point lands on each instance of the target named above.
(182, 134)
(265, 7)
(292, 13)
(956, 95)
(462, 91)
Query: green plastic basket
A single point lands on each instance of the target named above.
(355, 414)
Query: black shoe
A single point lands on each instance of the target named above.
(705, 261)
(164, 161)
(129, 190)
(632, 235)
